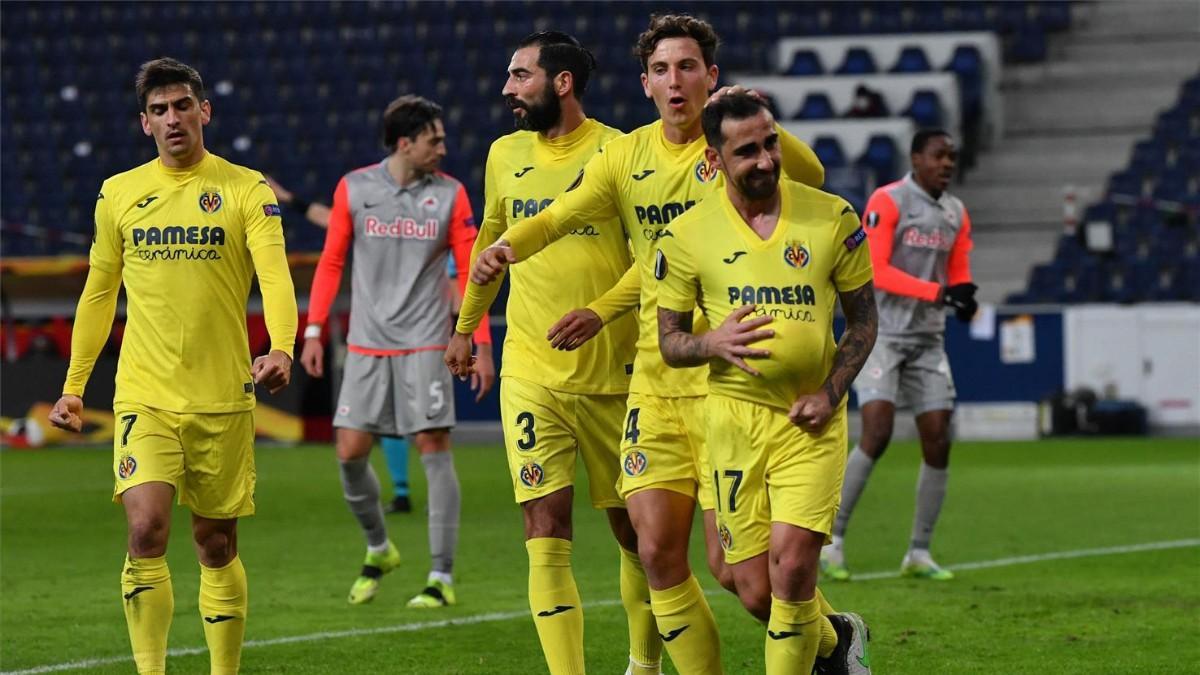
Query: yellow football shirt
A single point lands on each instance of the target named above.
(716, 261)
(647, 182)
(524, 173)
(182, 241)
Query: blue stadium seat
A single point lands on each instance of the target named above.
(912, 59)
(858, 61)
(805, 62)
(925, 108)
(1054, 15)
(1028, 45)
(816, 106)
(829, 151)
(880, 157)
(1148, 155)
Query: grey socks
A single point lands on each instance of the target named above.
(931, 490)
(444, 508)
(360, 485)
(858, 470)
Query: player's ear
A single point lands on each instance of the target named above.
(564, 82)
(145, 124)
(205, 112)
(713, 73)
(714, 157)
(646, 86)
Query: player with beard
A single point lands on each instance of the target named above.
(559, 398)
(646, 178)
(777, 404)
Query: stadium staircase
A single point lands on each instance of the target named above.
(1070, 121)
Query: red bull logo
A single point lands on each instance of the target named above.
(210, 202)
(126, 467)
(532, 475)
(706, 171)
(796, 255)
(634, 464)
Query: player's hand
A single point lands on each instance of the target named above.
(811, 412)
(731, 340)
(483, 373)
(66, 413)
(961, 297)
(273, 371)
(575, 328)
(312, 357)
(458, 356)
(733, 89)
(491, 262)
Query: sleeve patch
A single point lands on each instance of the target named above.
(858, 237)
(272, 210)
(872, 218)
(660, 265)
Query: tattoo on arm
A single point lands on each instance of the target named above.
(679, 347)
(862, 325)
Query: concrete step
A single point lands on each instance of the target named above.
(1143, 19)
(1000, 261)
(1080, 161)
(1000, 205)
(1086, 106)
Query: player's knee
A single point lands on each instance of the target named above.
(756, 598)
(795, 568)
(215, 548)
(148, 536)
(437, 440)
(547, 517)
(661, 560)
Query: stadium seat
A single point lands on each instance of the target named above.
(829, 151)
(912, 60)
(1027, 45)
(805, 62)
(880, 157)
(858, 61)
(925, 109)
(816, 106)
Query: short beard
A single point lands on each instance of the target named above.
(541, 115)
(758, 191)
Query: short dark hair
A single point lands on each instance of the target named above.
(922, 138)
(663, 26)
(558, 52)
(163, 72)
(407, 117)
(737, 106)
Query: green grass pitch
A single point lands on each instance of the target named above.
(1095, 609)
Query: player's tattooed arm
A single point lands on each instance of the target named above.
(680, 348)
(862, 325)
(730, 341)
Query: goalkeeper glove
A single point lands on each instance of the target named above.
(962, 298)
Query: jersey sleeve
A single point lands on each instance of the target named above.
(624, 296)
(881, 220)
(800, 163)
(462, 238)
(591, 198)
(93, 323)
(328, 276)
(107, 244)
(262, 216)
(958, 268)
(675, 271)
(852, 260)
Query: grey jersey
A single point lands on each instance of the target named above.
(918, 245)
(400, 299)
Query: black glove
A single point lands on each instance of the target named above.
(962, 298)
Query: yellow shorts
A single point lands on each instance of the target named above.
(545, 429)
(209, 458)
(768, 470)
(662, 447)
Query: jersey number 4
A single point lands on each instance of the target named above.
(631, 426)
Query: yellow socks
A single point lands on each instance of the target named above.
(223, 603)
(555, 604)
(829, 638)
(149, 606)
(645, 647)
(688, 629)
(796, 632)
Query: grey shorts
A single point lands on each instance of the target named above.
(910, 374)
(395, 395)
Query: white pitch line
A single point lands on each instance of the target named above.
(505, 616)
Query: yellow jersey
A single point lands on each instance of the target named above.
(525, 171)
(184, 242)
(647, 182)
(715, 260)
